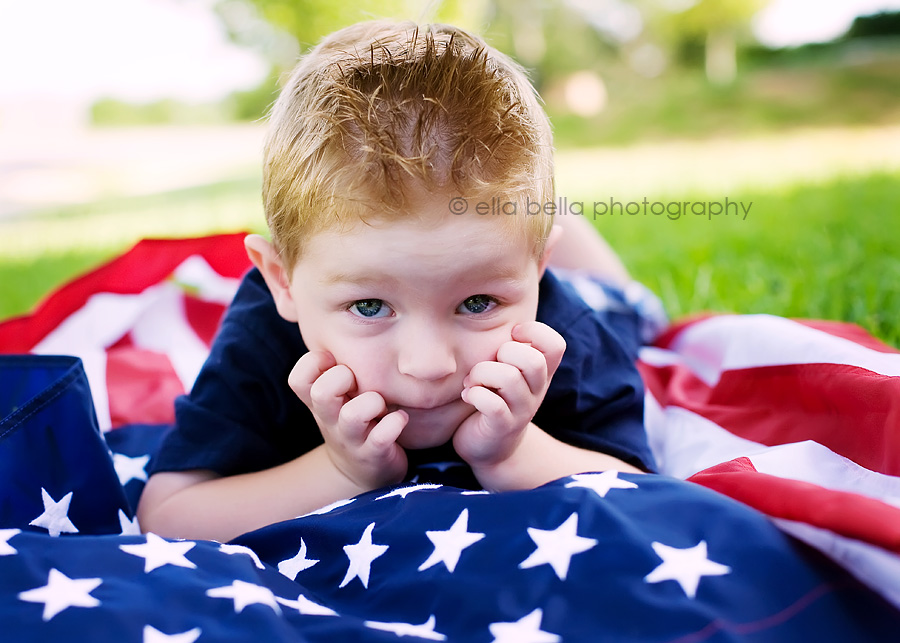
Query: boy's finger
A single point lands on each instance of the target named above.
(329, 392)
(307, 370)
(388, 430)
(505, 379)
(357, 414)
(530, 362)
(490, 404)
(543, 338)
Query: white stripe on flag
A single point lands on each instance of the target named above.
(196, 273)
(163, 328)
(871, 565)
(684, 442)
(711, 346)
(812, 462)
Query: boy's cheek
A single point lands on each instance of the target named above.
(487, 345)
(312, 337)
(369, 375)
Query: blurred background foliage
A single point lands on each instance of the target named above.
(610, 71)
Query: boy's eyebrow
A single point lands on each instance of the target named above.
(336, 278)
(504, 273)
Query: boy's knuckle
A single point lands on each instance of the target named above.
(351, 415)
(319, 395)
(347, 416)
(298, 378)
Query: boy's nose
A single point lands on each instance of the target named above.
(424, 353)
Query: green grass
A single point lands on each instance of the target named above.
(825, 251)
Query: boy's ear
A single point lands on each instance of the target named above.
(556, 232)
(264, 256)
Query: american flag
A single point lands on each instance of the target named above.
(788, 530)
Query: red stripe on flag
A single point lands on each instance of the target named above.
(142, 387)
(204, 317)
(148, 263)
(850, 410)
(848, 514)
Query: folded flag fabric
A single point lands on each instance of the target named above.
(797, 418)
(46, 410)
(796, 421)
(141, 324)
(595, 557)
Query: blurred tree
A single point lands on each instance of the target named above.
(711, 26)
(284, 28)
(551, 39)
(254, 103)
(886, 23)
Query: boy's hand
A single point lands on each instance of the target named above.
(362, 447)
(506, 394)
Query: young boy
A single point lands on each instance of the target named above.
(386, 327)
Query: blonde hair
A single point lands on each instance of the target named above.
(379, 110)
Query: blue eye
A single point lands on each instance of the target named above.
(370, 308)
(477, 304)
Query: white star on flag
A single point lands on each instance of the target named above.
(153, 635)
(293, 566)
(361, 556)
(5, 548)
(600, 483)
(526, 630)
(62, 592)
(157, 552)
(246, 551)
(555, 547)
(449, 545)
(55, 518)
(130, 527)
(423, 631)
(307, 607)
(129, 469)
(402, 492)
(244, 594)
(686, 566)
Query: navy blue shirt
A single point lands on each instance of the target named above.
(241, 416)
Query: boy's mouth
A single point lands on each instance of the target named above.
(423, 406)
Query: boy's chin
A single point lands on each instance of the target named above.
(428, 429)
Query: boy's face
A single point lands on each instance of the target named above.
(411, 306)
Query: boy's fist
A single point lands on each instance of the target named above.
(362, 447)
(506, 393)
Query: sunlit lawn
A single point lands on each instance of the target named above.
(822, 250)
(825, 251)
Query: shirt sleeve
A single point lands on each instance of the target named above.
(596, 397)
(241, 416)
